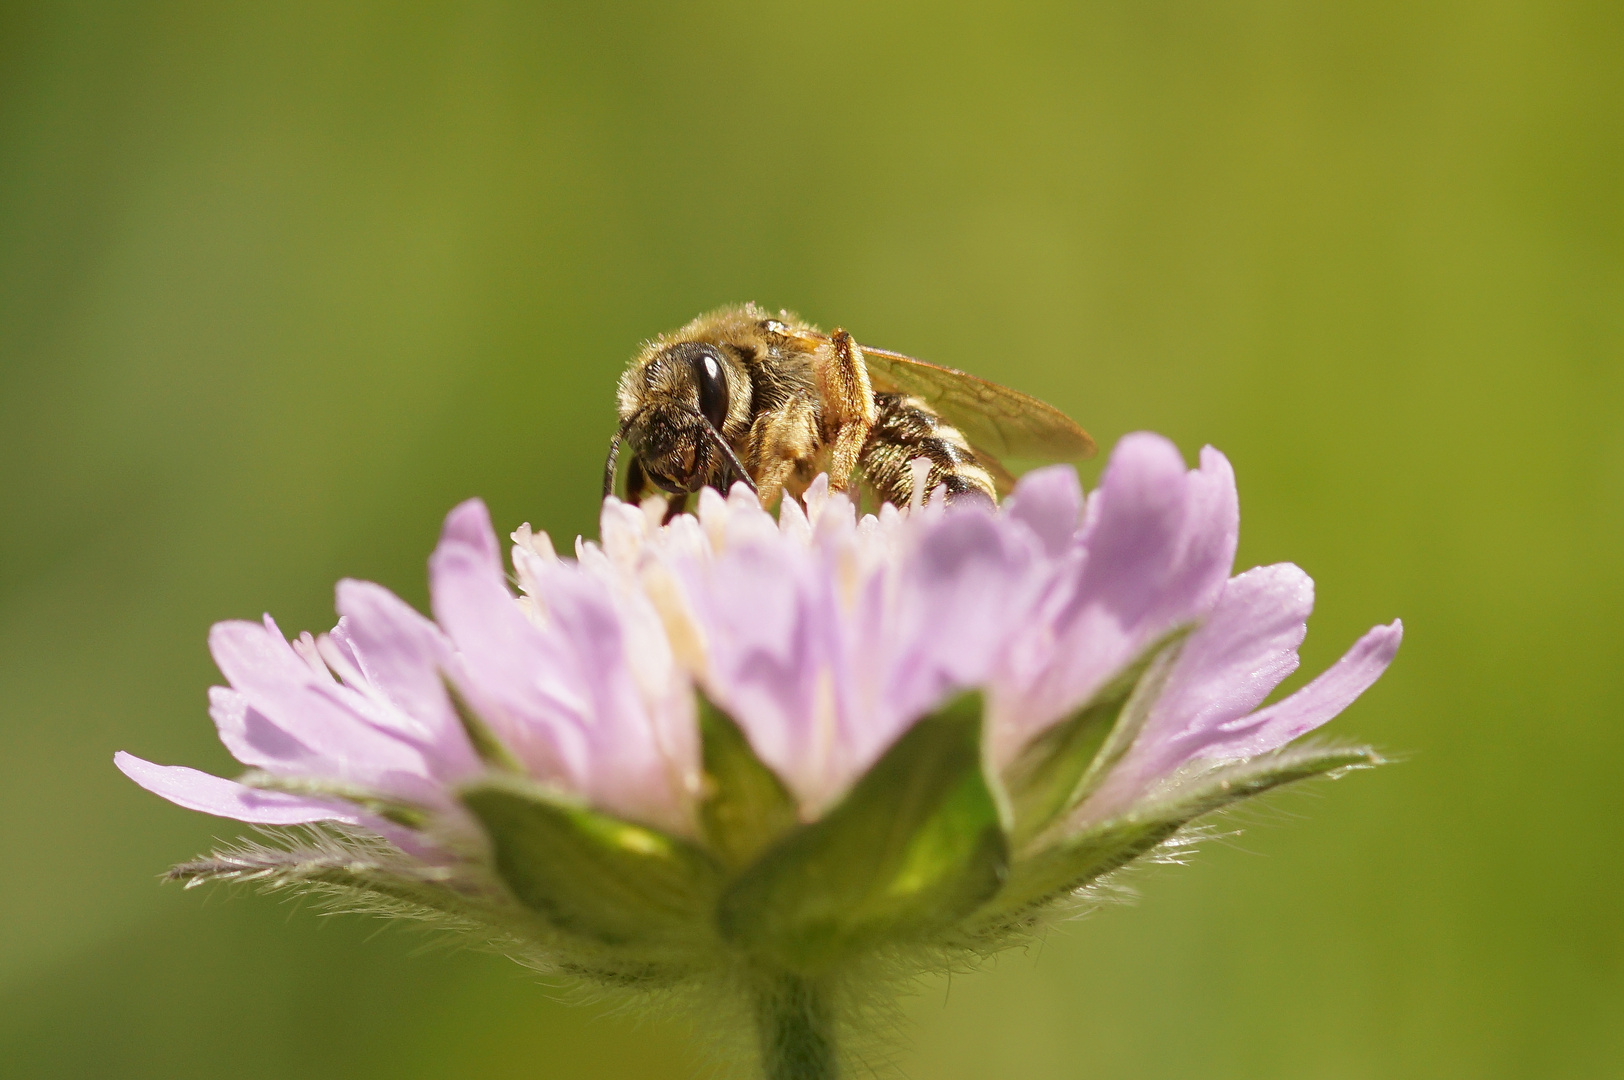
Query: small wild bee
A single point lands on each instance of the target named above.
(739, 394)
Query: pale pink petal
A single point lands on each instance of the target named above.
(1210, 534)
(1048, 501)
(770, 620)
(621, 530)
(625, 677)
(406, 660)
(747, 522)
(963, 586)
(792, 521)
(816, 497)
(1133, 532)
(515, 676)
(253, 739)
(327, 729)
(226, 798)
(559, 690)
(1160, 539)
(1156, 547)
(1225, 669)
(1236, 657)
(825, 656)
(1332, 691)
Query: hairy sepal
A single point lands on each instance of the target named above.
(744, 806)
(1063, 765)
(610, 881)
(913, 848)
(1071, 863)
(353, 873)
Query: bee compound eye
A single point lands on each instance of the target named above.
(712, 387)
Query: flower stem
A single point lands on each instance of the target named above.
(795, 1030)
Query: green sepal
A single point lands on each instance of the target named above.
(1088, 855)
(397, 811)
(744, 805)
(914, 847)
(1058, 769)
(591, 874)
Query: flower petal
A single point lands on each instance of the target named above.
(325, 728)
(1244, 649)
(963, 585)
(769, 618)
(251, 736)
(1049, 501)
(1160, 539)
(1333, 690)
(1155, 549)
(406, 659)
(1227, 731)
(560, 690)
(1237, 656)
(226, 798)
(637, 712)
(825, 655)
(513, 676)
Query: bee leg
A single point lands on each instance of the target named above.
(779, 441)
(677, 505)
(848, 401)
(637, 484)
(771, 484)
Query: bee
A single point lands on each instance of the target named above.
(743, 395)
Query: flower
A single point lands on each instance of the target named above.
(780, 753)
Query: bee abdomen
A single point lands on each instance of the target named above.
(906, 428)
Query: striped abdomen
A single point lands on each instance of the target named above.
(905, 429)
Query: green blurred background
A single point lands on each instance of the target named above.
(280, 283)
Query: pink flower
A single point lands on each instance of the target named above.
(788, 743)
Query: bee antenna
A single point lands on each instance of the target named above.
(727, 452)
(611, 466)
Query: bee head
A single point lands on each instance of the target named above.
(674, 408)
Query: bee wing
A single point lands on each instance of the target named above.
(993, 417)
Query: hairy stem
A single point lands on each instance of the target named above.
(795, 1030)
